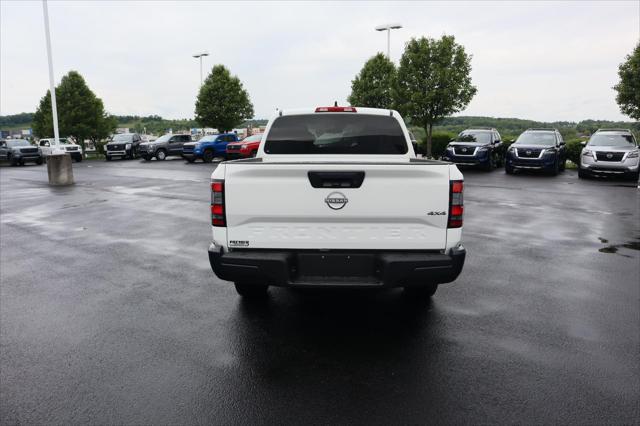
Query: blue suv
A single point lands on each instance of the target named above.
(208, 148)
(481, 147)
(537, 149)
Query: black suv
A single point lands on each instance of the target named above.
(537, 149)
(480, 147)
(124, 145)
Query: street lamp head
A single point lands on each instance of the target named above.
(388, 27)
(199, 55)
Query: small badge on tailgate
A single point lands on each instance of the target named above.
(336, 200)
(238, 243)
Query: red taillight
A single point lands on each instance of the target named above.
(336, 109)
(218, 217)
(456, 205)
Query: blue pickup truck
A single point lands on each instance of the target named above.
(208, 148)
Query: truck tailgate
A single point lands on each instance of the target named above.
(396, 207)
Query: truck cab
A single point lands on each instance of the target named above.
(208, 148)
(336, 198)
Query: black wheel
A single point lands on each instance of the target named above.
(79, 159)
(253, 291)
(108, 157)
(421, 291)
(582, 174)
(190, 160)
(12, 160)
(161, 155)
(556, 168)
(39, 161)
(508, 169)
(563, 165)
(207, 156)
(633, 176)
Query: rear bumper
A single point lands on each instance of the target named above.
(338, 268)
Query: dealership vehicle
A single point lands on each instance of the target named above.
(19, 151)
(537, 149)
(247, 147)
(75, 150)
(610, 152)
(481, 146)
(208, 148)
(123, 145)
(163, 147)
(336, 197)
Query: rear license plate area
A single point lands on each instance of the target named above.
(335, 266)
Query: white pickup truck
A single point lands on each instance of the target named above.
(336, 197)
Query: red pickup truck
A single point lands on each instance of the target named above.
(247, 147)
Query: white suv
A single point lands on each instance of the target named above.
(610, 152)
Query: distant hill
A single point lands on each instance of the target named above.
(508, 127)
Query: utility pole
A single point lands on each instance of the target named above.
(388, 28)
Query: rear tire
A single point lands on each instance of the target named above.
(251, 291)
(207, 156)
(422, 291)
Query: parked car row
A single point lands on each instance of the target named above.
(21, 151)
(608, 152)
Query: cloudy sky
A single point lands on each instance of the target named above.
(541, 60)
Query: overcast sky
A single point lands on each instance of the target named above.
(542, 60)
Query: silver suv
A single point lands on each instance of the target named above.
(610, 152)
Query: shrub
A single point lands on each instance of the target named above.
(439, 142)
(574, 149)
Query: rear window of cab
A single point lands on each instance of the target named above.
(336, 133)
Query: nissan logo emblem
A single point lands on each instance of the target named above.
(609, 155)
(336, 200)
(464, 149)
(528, 152)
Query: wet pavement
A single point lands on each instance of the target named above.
(109, 312)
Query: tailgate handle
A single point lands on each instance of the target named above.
(336, 179)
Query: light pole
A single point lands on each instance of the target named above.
(388, 28)
(54, 107)
(199, 56)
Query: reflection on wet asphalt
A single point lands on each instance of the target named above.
(109, 312)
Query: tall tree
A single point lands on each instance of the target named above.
(433, 81)
(81, 113)
(222, 103)
(373, 86)
(628, 88)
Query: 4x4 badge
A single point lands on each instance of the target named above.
(336, 200)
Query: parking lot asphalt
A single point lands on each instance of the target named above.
(110, 313)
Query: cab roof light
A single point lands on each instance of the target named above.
(336, 109)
